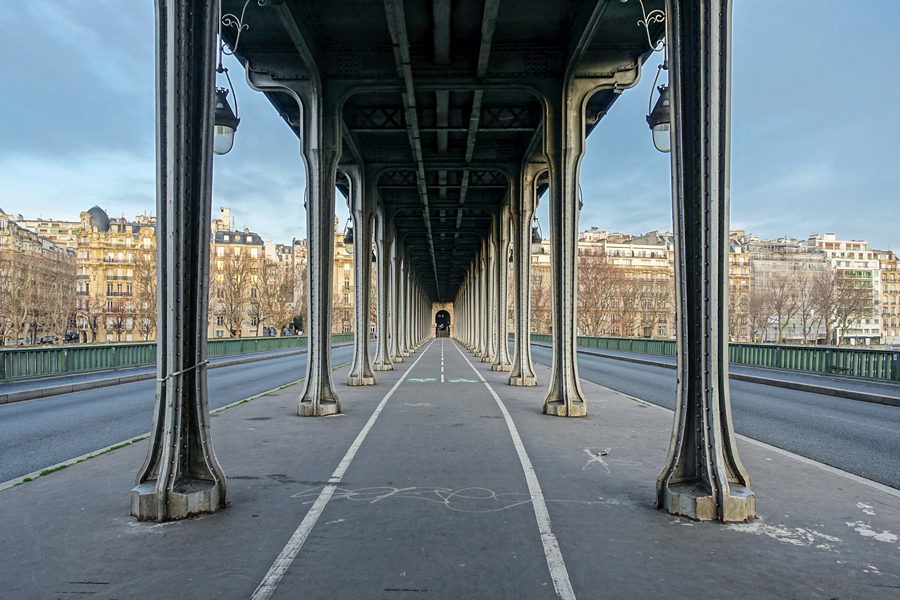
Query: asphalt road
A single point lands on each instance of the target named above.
(36, 434)
(854, 436)
(857, 437)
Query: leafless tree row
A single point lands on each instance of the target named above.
(37, 296)
(827, 300)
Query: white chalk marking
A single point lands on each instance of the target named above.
(283, 562)
(558, 572)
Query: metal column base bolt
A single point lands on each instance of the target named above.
(558, 409)
(357, 381)
(189, 498)
(697, 503)
(523, 381)
(307, 409)
(501, 368)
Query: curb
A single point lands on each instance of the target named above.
(790, 385)
(57, 390)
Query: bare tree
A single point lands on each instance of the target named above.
(855, 300)
(806, 306)
(57, 285)
(824, 290)
(598, 283)
(230, 287)
(119, 317)
(274, 283)
(759, 310)
(16, 287)
(783, 299)
(90, 311)
(145, 296)
(541, 307)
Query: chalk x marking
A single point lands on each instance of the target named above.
(283, 562)
(552, 553)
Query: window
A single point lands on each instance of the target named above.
(237, 250)
(220, 333)
(253, 322)
(254, 252)
(661, 330)
(220, 251)
(220, 321)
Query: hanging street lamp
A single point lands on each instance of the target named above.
(225, 124)
(659, 121)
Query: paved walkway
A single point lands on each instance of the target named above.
(440, 499)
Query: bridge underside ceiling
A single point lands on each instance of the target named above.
(443, 101)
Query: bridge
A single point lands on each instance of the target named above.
(444, 123)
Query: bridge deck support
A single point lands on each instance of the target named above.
(383, 242)
(523, 197)
(180, 476)
(322, 149)
(703, 478)
(362, 207)
(501, 358)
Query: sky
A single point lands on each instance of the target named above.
(814, 126)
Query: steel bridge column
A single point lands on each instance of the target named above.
(394, 253)
(180, 476)
(402, 312)
(383, 235)
(479, 302)
(362, 201)
(490, 305)
(407, 307)
(322, 143)
(564, 148)
(522, 203)
(703, 478)
(501, 360)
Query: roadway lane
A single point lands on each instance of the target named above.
(857, 437)
(39, 433)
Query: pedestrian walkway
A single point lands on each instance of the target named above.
(444, 482)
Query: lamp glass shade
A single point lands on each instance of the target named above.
(225, 124)
(536, 239)
(223, 140)
(659, 121)
(662, 137)
(348, 241)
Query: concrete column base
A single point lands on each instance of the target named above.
(358, 381)
(385, 367)
(698, 503)
(189, 498)
(559, 409)
(501, 367)
(397, 359)
(403, 354)
(486, 358)
(523, 381)
(307, 409)
(477, 354)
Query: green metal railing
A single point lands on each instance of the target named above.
(826, 360)
(25, 363)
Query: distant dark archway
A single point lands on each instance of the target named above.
(442, 323)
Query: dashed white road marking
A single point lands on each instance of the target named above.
(283, 562)
(558, 572)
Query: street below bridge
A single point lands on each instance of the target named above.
(445, 482)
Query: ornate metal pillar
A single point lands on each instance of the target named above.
(522, 199)
(180, 476)
(703, 478)
(403, 312)
(362, 205)
(490, 288)
(383, 239)
(394, 299)
(322, 149)
(501, 360)
(564, 149)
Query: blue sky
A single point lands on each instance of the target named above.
(814, 127)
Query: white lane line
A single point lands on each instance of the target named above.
(283, 562)
(552, 553)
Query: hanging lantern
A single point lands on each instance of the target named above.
(659, 121)
(348, 240)
(225, 124)
(536, 237)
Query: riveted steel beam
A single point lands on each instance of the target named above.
(703, 477)
(180, 476)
